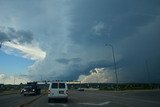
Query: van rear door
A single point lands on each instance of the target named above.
(62, 89)
(54, 89)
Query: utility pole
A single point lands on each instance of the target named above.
(0, 44)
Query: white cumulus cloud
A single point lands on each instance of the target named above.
(11, 79)
(97, 75)
(30, 51)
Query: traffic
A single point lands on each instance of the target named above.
(71, 94)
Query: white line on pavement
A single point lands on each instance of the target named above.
(94, 104)
(52, 104)
(132, 99)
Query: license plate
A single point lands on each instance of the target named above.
(61, 92)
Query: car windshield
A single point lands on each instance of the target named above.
(27, 87)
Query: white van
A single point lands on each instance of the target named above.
(58, 90)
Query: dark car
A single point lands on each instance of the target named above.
(31, 89)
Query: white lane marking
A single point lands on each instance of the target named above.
(94, 104)
(52, 104)
(130, 98)
(65, 105)
(124, 93)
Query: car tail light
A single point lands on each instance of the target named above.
(66, 91)
(49, 91)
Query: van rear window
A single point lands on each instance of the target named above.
(54, 85)
(61, 85)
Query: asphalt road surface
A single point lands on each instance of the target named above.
(104, 99)
(14, 100)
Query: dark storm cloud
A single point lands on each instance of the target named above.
(77, 69)
(9, 34)
(123, 17)
(24, 36)
(131, 26)
(63, 61)
(142, 47)
(67, 61)
(74, 33)
(3, 36)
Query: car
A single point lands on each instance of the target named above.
(22, 90)
(31, 89)
(28, 90)
(57, 90)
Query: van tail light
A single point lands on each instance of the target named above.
(66, 91)
(49, 91)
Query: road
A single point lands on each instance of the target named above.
(14, 100)
(104, 99)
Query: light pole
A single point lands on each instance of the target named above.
(0, 44)
(115, 66)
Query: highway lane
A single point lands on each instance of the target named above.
(14, 100)
(104, 99)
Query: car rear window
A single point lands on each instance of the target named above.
(61, 85)
(54, 85)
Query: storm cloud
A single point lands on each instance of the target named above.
(74, 33)
(130, 26)
(11, 34)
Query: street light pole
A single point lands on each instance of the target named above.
(0, 44)
(115, 66)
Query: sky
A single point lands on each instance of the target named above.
(66, 40)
